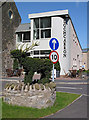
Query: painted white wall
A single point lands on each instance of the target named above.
(57, 32)
(75, 49)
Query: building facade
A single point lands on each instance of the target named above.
(10, 20)
(55, 24)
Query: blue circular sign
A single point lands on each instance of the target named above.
(54, 44)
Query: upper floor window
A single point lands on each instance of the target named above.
(45, 22)
(42, 28)
(36, 23)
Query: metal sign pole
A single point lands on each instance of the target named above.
(53, 73)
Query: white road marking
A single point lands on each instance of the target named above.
(72, 83)
(69, 88)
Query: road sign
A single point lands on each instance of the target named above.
(54, 57)
(54, 44)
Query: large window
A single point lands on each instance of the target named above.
(42, 28)
(36, 23)
(45, 22)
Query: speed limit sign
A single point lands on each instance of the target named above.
(54, 57)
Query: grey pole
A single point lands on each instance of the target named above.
(53, 73)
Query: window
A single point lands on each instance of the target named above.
(28, 54)
(42, 26)
(45, 22)
(19, 37)
(45, 52)
(26, 36)
(36, 23)
(10, 14)
(36, 52)
(46, 33)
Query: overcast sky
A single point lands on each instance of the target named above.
(77, 11)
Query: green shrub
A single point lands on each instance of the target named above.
(31, 65)
(44, 80)
(15, 64)
(57, 66)
(28, 78)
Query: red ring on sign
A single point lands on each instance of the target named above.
(57, 57)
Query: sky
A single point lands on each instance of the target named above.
(77, 12)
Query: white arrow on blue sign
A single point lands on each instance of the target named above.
(54, 44)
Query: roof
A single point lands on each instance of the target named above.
(23, 27)
(47, 14)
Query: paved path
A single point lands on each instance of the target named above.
(78, 109)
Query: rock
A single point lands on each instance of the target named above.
(37, 87)
(36, 96)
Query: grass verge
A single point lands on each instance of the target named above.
(62, 100)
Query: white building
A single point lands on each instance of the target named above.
(47, 25)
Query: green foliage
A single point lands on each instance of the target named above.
(42, 66)
(15, 64)
(57, 66)
(28, 77)
(18, 54)
(31, 65)
(44, 80)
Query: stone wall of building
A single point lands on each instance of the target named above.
(36, 96)
(10, 21)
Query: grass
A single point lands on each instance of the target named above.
(62, 100)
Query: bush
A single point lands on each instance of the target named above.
(44, 80)
(28, 78)
(15, 64)
(31, 65)
(57, 66)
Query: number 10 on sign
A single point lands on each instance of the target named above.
(54, 57)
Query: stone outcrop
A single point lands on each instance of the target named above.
(36, 96)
